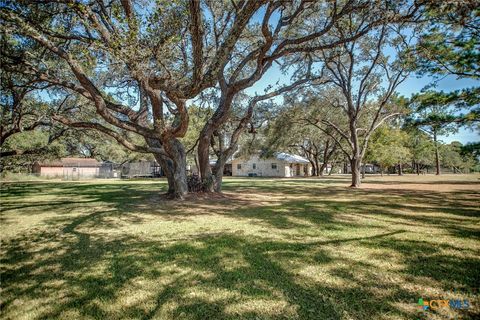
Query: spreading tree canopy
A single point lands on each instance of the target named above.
(135, 64)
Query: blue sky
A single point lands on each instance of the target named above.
(413, 84)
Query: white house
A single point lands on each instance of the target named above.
(280, 165)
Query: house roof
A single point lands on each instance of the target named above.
(50, 163)
(283, 156)
(290, 158)
(214, 161)
(71, 162)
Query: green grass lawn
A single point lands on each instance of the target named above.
(267, 249)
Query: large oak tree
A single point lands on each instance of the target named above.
(166, 53)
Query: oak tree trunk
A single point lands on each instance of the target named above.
(206, 136)
(318, 170)
(196, 163)
(312, 163)
(203, 151)
(179, 159)
(356, 176)
(166, 164)
(167, 168)
(175, 168)
(218, 175)
(322, 168)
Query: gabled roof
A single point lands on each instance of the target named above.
(283, 156)
(50, 163)
(290, 158)
(214, 161)
(71, 162)
(80, 162)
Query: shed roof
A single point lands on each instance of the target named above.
(71, 162)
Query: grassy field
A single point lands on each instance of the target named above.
(267, 249)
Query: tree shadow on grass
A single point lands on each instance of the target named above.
(80, 274)
(282, 216)
(194, 279)
(427, 260)
(75, 273)
(404, 181)
(76, 194)
(340, 209)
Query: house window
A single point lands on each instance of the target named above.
(239, 166)
(254, 166)
(274, 166)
